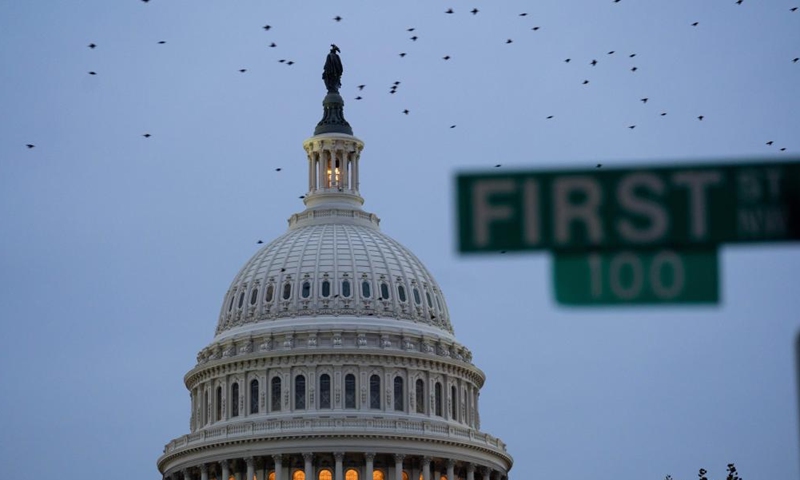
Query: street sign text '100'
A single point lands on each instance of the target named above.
(629, 208)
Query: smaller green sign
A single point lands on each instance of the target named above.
(639, 277)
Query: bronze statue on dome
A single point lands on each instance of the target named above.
(332, 73)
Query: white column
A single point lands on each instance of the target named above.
(487, 473)
(251, 470)
(203, 471)
(308, 457)
(470, 471)
(369, 457)
(398, 467)
(186, 475)
(225, 470)
(451, 475)
(345, 181)
(338, 472)
(278, 467)
(426, 468)
(311, 170)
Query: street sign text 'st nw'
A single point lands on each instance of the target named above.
(631, 208)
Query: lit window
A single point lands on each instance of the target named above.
(287, 291)
(306, 289)
(405, 475)
(275, 396)
(365, 289)
(417, 298)
(301, 475)
(378, 475)
(384, 291)
(325, 475)
(254, 396)
(300, 392)
(270, 293)
(351, 474)
(235, 400)
(398, 394)
(401, 293)
(346, 288)
(350, 391)
(420, 396)
(253, 296)
(375, 392)
(326, 288)
(324, 391)
(271, 475)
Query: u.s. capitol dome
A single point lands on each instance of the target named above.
(334, 357)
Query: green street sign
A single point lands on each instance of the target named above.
(603, 209)
(636, 277)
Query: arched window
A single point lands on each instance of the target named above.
(287, 290)
(324, 391)
(205, 406)
(301, 475)
(437, 399)
(454, 402)
(300, 392)
(306, 289)
(230, 305)
(384, 291)
(275, 395)
(241, 300)
(351, 474)
(405, 475)
(326, 288)
(253, 296)
(420, 396)
(401, 293)
(271, 475)
(270, 293)
(346, 288)
(417, 298)
(378, 475)
(350, 391)
(254, 396)
(428, 298)
(325, 474)
(365, 291)
(219, 404)
(235, 400)
(398, 394)
(375, 391)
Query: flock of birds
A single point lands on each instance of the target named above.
(414, 37)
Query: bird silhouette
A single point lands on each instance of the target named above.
(259, 242)
(446, 57)
(632, 55)
(358, 98)
(272, 45)
(793, 9)
(509, 41)
(738, 2)
(695, 24)
(267, 27)
(92, 45)
(282, 60)
(644, 100)
(498, 166)
(301, 197)
(146, 135)
(783, 149)
(634, 69)
(535, 28)
(290, 62)
(474, 11)
(700, 117)
(523, 14)
(30, 145)
(161, 42)
(361, 87)
(549, 117)
(611, 52)
(593, 62)
(410, 29)
(599, 165)
(278, 169)
(769, 143)
(796, 59)
(405, 111)
(414, 38)
(396, 82)
(586, 82)
(452, 126)
(449, 10)
(337, 18)
(242, 70)
(631, 126)
(403, 54)
(92, 73)
(663, 114)
(567, 60)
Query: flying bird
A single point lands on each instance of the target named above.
(146, 135)
(358, 97)
(663, 114)
(446, 57)
(405, 111)
(593, 62)
(397, 82)
(644, 100)
(474, 11)
(92, 73)
(361, 87)
(449, 10)
(414, 38)
(290, 62)
(509, 41)
(634, 69)
(599, 165)
(795, 59)
(402, 54)
(567, 60)
(611, 52)
(632, 55)
(783, 149)
(242, 70)
(585, 82)
(738, 2)
(523, 14)
(535, 28)
(769, 143)
(631, 126)
(30, 145)
(337, 18)
(161, 42)
(272, 45)
(92, 45)
(267, 27)
(793, 9)
(281, 60)
(278, 169)
(497, 166)
(549, 117)
(695, 24)
(700, 117)
(259, 242)
(410, 29)
(452, 126)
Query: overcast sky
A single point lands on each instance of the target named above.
(116, 249)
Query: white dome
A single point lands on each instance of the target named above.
(325, 269)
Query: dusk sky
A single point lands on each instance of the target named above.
(116, 248)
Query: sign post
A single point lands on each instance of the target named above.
(604, 224)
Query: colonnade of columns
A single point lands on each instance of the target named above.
(338, 466)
